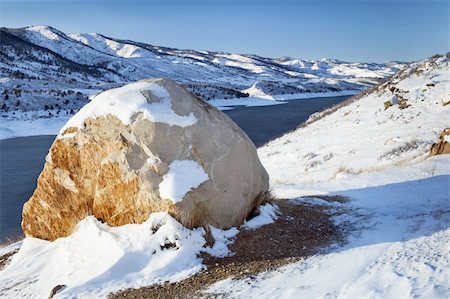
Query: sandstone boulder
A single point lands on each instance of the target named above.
(443, 145)
(146, 147)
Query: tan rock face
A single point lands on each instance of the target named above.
(442, 146)
(114, 170)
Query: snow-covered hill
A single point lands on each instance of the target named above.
(376, 138)
(372, 150)
(375, 151)
(39, 63)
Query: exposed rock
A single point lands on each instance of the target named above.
(146, 147)
(387, 104)
(55, 290)
(442, 146)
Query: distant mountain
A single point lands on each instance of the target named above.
(42, 68)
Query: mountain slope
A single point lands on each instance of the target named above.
(396, 214)
(378, 138)
(45, 56)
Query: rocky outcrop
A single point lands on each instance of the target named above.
(146, 147)
(442, 146)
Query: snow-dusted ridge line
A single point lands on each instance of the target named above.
(43, 29)
(86, 61)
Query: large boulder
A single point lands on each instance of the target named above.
(146, 147)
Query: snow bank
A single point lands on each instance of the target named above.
(10, 248)
(124, 102)
(97, 259)
(183, 176)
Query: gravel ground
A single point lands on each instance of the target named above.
(301, 231)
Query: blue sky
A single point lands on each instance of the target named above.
(359, 30)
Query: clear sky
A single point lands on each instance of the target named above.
(358, 30)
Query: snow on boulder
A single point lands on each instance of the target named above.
(149, 146)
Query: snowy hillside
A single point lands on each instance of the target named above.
(398, 195)
(39, 63)
(376, 138)
(371, 152)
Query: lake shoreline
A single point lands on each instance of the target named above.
(25, 124)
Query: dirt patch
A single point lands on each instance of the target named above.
(301, 231)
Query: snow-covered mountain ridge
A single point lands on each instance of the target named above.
(42, 68)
